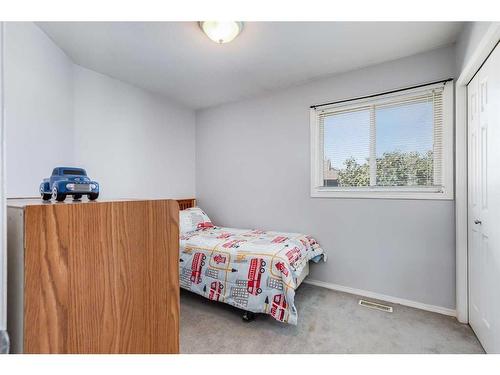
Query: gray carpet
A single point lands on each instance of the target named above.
(329, 322)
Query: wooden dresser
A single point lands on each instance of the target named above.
(93, 277)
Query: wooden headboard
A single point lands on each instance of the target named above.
(186, 203)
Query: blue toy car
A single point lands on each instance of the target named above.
(68, 181)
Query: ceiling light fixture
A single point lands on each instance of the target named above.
(221, 32)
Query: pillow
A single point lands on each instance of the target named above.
(193, 219)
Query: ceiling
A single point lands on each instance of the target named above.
(177, 60)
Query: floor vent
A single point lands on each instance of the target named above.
(374, 305)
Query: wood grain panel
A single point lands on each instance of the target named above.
(102, 278)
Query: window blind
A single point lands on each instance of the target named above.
(386, 142)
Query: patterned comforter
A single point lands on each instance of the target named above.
(253, 270)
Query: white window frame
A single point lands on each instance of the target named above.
(399, 192)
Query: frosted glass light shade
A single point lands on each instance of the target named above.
(221, 32)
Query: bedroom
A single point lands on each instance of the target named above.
(327, 189)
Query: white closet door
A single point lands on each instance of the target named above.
(484, 203)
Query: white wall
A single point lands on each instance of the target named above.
(468, 41)
(3, 215)
(252, 170)
(39, 108)
(136, 144)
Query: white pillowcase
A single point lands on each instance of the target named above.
(193, 219)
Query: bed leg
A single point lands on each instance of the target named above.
(248, 316)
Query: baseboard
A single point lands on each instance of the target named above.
(382, 297)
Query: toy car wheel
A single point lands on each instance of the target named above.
(60, 197)
(46, 196)
(93, 196)
(77, 197)
(259, 290)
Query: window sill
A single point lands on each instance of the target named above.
(378, 194)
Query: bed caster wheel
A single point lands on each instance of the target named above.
(248, 316)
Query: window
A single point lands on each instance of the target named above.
(395, 145)
(75, 172)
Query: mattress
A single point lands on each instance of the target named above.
(254, 270)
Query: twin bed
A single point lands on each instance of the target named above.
(257, 271)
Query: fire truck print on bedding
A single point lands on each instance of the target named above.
(254, 270)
